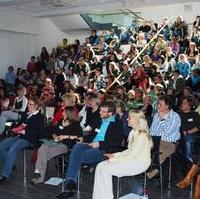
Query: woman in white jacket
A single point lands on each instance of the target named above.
(133, 161)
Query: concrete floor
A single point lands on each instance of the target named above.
(15, 188)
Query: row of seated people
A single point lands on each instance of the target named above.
(162, 56)
(100, 134)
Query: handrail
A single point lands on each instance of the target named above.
(139, 54)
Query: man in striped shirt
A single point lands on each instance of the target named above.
(166, 124)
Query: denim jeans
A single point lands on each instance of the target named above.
(8, 151)
(189, 140)
(82, 153)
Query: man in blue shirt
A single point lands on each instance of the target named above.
(107, 137)
(166, 124)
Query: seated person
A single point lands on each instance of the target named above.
(94, 39)
(92, 115)
(19, 106)
(190, 124)
(133, 161)
(68, 99)
(32, 65)
(33, 123)
(83, 112)
(10, 78)
(122, 114)
(108, 137)
(166, 124)
(48, 95)
(65, 133)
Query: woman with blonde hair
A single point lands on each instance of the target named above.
(114, 69)
(133, 161)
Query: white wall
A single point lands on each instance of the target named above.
(15, 49)
(187, 10)
(49, 35)
(22, 37)
(78, 34)
(18, 39)
(69, 22)
(18, 23)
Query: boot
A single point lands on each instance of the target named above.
(189, 177)
(197, 189)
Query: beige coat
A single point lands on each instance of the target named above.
(139, 147)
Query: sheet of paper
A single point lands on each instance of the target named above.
(54, 181)
(132, 196)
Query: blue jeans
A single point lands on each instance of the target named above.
(189, 140)
(82, 153)
(8, 151)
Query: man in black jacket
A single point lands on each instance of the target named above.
(107, 138)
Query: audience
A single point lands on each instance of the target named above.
(102, 73)
(107, 138)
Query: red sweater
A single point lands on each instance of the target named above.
(58, 116)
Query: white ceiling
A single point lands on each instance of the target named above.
(48, 8)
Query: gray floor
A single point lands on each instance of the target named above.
(15, 188)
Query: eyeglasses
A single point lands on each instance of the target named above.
(103, 111)
(31, 104)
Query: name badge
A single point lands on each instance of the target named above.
(61, 127)
(97, 130)
(190, 120)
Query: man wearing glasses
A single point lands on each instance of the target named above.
(107, 137)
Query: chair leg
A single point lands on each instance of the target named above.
(57, 165)
(63, 164)
(63, 185)
(170, 171)
(145, 180)
(161, 182)
(118, 186)
(63, 171)
(78, 181)
(24, 159)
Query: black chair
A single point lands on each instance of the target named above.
(119, 184)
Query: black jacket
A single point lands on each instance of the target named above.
(73, 129)
(113, 137)
(35, 125)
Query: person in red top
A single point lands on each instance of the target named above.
(140, 77)
(32, 65)
(69, 99)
